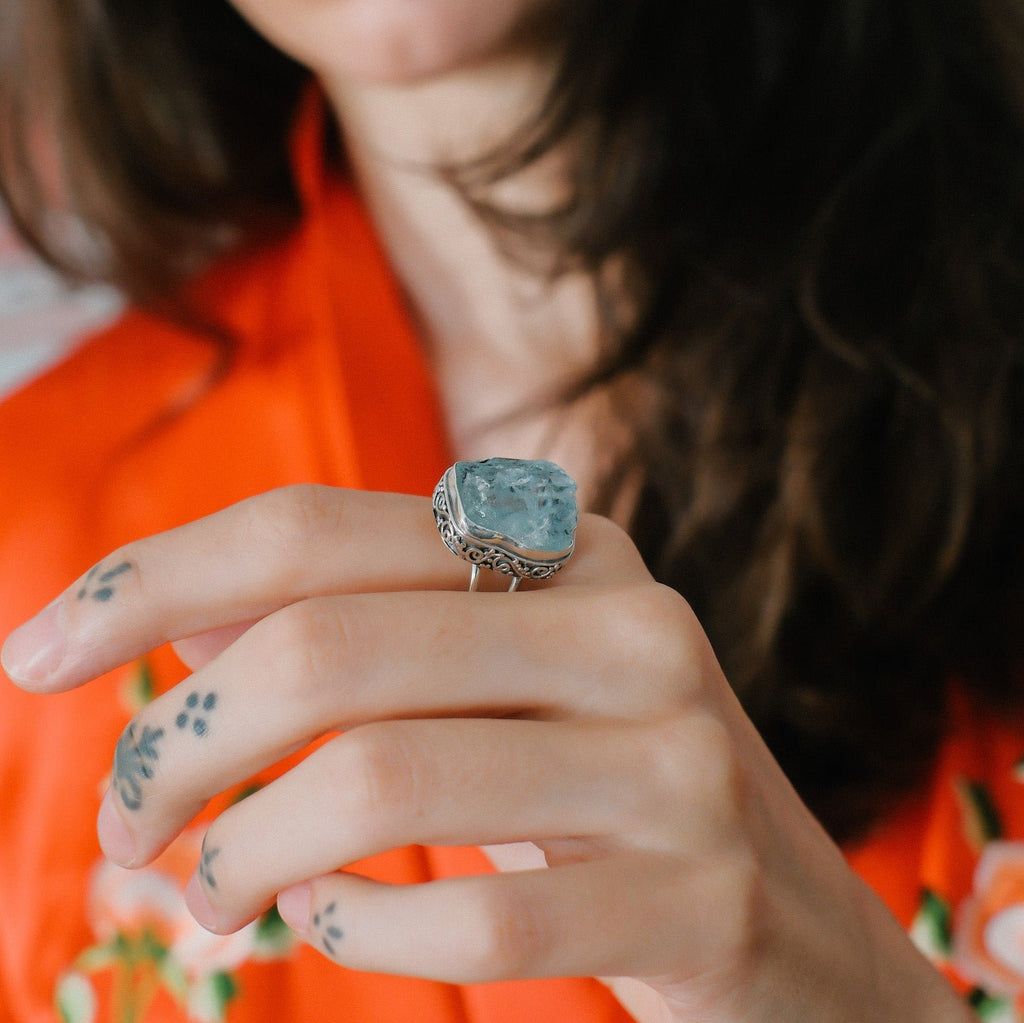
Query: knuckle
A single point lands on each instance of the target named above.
(665, 625)
(505, 938)
(382, 777)
(299, 647)
(617, 549)
(606, 530)
(692, 765)
(294, 518)
(655, 639)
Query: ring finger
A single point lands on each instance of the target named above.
(333, 663)
(391, 784)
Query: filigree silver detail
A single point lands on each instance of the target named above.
(499, 554)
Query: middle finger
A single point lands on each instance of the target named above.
(334, 662)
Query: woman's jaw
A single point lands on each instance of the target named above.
(399, 42)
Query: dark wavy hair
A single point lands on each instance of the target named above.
(816, 214)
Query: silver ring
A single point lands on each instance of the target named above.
(513, 516)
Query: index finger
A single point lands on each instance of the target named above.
(238, 564)
(245, 562)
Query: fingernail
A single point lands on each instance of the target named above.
(293, 904)
(199, 904)
(116, 840)
(35, 650)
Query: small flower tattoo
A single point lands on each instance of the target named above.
(196, 709)
(134, 757)
(206, 858)
(325, 922)
(98, 584)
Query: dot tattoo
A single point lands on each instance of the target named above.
(134, 757)
(206, 858)
(196, 708)
(326, 924)
(97, 585)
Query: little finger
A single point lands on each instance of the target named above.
(632, 914)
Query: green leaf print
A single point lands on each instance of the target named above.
(990, 1009)
(208, 1000)
(981, 820)
(274, 938)
(75, 999)
(932, 928)
(226, 987)
(139, 687)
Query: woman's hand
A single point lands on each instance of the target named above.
(587, 715)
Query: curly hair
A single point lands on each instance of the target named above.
(816, 215)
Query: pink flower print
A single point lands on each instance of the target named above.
(147, 936)
(128, 902)
(988, 942)
(152, 899)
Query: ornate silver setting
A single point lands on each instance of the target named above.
(486, 549)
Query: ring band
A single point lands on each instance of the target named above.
(510, 515)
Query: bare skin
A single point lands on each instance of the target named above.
(498, 337)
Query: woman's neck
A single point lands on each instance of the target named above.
(499, 338)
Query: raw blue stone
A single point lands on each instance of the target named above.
(531, 503)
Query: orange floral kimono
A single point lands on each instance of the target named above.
(135, 433)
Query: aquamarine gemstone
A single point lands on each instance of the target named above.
(531, 503)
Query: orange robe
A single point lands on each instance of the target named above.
(131, 435)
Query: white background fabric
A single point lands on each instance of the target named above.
(41, 318)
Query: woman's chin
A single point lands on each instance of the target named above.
(396, 42)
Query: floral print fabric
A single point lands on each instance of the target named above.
(951, 864)
(962, 842)
(980, 942)
(148, 946)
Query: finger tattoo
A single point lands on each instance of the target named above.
(195, 712)
(98, 583)
(206, 858)
(134, 757)
(326, 925)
